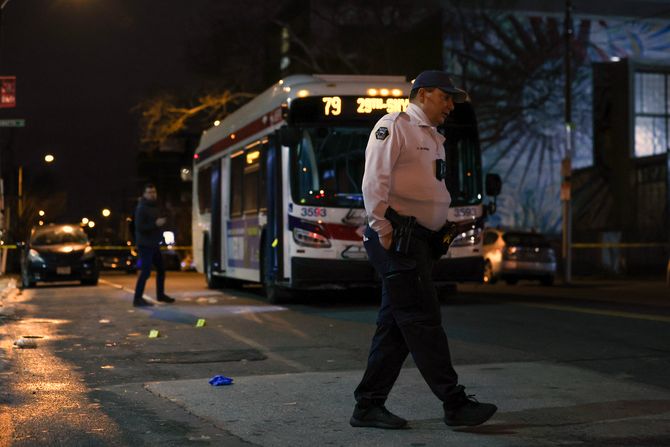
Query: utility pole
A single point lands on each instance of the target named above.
(566, 163)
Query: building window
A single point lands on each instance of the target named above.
(652, 116)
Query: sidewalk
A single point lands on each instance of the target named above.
(7, 286)
(540, 404)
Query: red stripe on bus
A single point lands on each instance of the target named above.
(269, 119)
(342, 232)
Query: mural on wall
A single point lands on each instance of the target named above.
(512, 65)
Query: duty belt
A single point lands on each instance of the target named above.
(406, 228)
(423, 233)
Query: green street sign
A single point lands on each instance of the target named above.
(13, 123)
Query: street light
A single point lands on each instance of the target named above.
(106, 212)
(48, 159)
(84, 220)
(91, 224)
(41, 213)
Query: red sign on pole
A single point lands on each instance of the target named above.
(7, 92)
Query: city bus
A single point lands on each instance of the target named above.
(277, 186)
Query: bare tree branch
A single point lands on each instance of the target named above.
(162, 116)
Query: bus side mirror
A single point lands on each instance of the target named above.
(493, 184)
(289, 136)
(493, 188)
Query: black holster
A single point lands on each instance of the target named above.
(403, 230)
(446, 235)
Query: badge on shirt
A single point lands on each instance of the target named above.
(382, 133)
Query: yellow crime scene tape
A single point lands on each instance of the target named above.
(619, 244)
(116, 247)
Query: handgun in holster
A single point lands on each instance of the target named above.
(446, 235)
(403, 228)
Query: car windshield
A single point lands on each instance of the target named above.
(525, 240)
(59, 235)
(327, 166)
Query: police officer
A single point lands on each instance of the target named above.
(403, 182)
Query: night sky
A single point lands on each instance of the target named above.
(81, 66)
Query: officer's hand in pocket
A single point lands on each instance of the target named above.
(386, 240)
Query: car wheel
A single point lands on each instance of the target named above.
(89, 282)
(511, 281)
(488, 277)
(26, 283)
(547, 280)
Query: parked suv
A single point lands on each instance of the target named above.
(514, 255)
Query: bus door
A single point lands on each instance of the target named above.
(273, 248)
(248, 213)
(215, 228)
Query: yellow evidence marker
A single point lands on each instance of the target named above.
(200, 322)
(153, 333)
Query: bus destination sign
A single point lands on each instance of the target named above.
(344, 108)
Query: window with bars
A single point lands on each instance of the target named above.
(652, 113)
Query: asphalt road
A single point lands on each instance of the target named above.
(84, 383)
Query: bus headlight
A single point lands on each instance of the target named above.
(468, 239)
(310, 238)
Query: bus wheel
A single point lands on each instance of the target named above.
(446, 292)
(489, 277)
(277, 294)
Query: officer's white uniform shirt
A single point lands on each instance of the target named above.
(400, 171)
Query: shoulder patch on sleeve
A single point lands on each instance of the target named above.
(382, 133)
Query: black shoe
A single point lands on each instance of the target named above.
(463, 409)
(142, 303)
(165, 299)
(376, 416)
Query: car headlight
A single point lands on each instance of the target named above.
(34, 256)
(88, 253)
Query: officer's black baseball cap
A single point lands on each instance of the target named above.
(441, 80)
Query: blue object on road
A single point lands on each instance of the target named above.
(220, 381)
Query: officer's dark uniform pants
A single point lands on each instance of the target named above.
(149, 256)
(409, 321)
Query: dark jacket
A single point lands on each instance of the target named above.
(147, 233)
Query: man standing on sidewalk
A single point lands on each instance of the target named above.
(406, 200)
(148, 236)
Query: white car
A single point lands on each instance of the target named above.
(513, 255)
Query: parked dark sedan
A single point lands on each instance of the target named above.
(58, 253)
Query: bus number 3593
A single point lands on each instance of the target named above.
(313, 212)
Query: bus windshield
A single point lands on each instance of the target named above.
(327, 166)
(464, 179)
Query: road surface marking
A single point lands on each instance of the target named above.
(607, 313)
(125, 289)
(264, 349)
